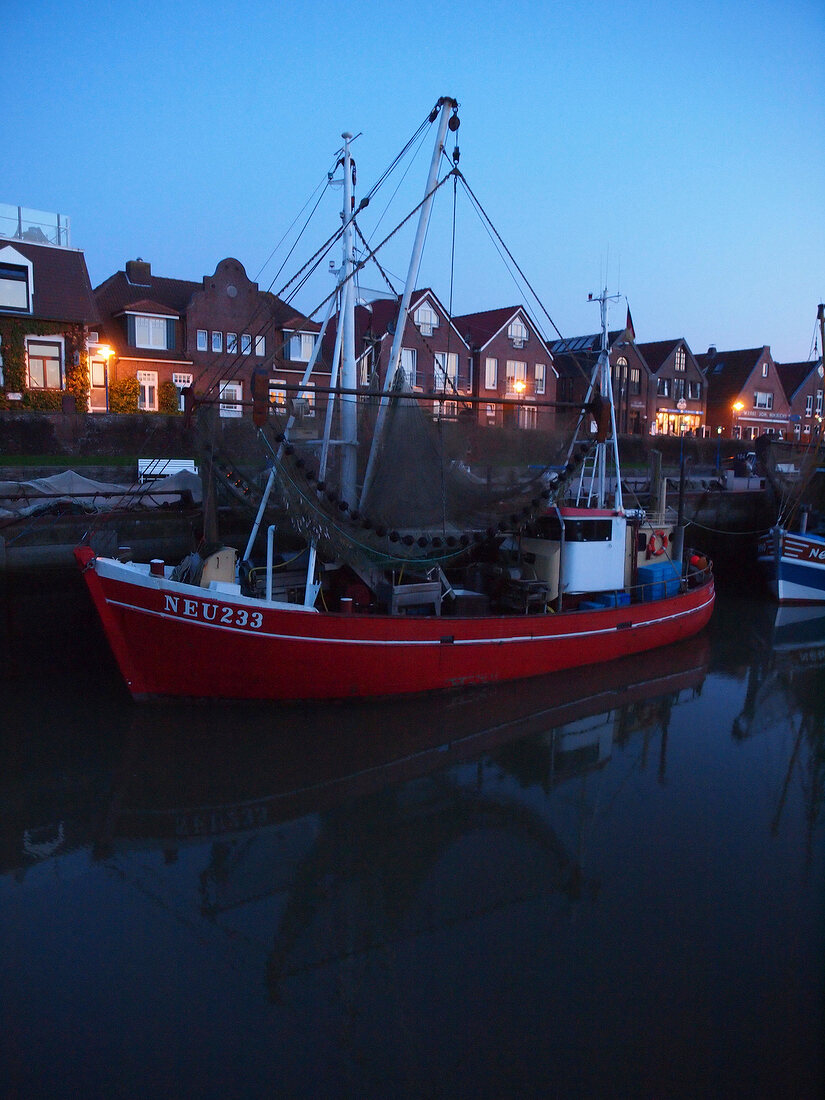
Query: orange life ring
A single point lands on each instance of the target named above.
(653, 550)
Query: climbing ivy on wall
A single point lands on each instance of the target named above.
(14, 331)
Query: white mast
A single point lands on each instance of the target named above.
(445, 105)
(349, 407)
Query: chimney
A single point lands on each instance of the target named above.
(712, 351)
(139, 272)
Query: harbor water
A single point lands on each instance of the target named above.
(607, 883)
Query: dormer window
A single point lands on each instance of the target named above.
(518, 333)
(16, 281)
(152, 333)
(426, 319)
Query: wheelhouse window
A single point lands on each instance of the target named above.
(231, 395)
(44, 365)
(147, 390)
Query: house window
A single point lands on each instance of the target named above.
(14, 287)
(427, 319)
(232, 343)
(762, 400)
(202, 341)
(515, 372)
(491, 412)
(539, 377)
(819, 402)
(260, 345)
(663, 387)
(231, 395)
(181, 381)
(491, 374)
(809, 404)
(409, 365)
(277, 393)
(517, 332)
(679, 360)
(446, 370)
(695, 391)
(300, 347)
(678, 389)
(635, 381)
(764, 370)
(527, 416)
(156, 333)
(44, 365)
(217, 341)
(446, 410)
(148, 390)
(246, 344)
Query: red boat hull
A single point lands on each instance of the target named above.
(175, 640)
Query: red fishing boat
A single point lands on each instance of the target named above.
(401, 595)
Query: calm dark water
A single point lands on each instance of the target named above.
(605, 884)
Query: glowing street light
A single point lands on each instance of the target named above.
(737, 409)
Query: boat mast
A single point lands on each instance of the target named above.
(445, 105)
(600, 392)
(349, 408)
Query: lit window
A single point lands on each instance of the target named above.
(491, 412)
(409, 365)
(527, 416)
(246, 344)
(809, 404)
(260, 345)
(635, 381)
(305, 403)
(202, 340)
(491, 374)
(277, 393)
(147, 390)
(44, 365)
(539, 377)
(427, 319)
(446, 410)
(515, 372)
(217, 341)
(232, 343)
(679, 361)
(517, 332)
(819, 402)
(231, 395)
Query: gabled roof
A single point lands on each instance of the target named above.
(62, 289)
(145, 305)
(793, 376)
(378, 319)
(480, 328)
(727, 372)
(656, 351)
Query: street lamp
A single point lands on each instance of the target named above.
(737, 409)
(519, 386)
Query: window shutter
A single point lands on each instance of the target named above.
(170, 333)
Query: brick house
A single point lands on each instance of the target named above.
(46, 306)
(434, 355)
(677, 394)
(745, 396)
(509, 359)
(209, 335)
(803, 386)
(574, 360)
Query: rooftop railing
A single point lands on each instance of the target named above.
(35, 226)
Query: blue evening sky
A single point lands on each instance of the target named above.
(674, 151)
